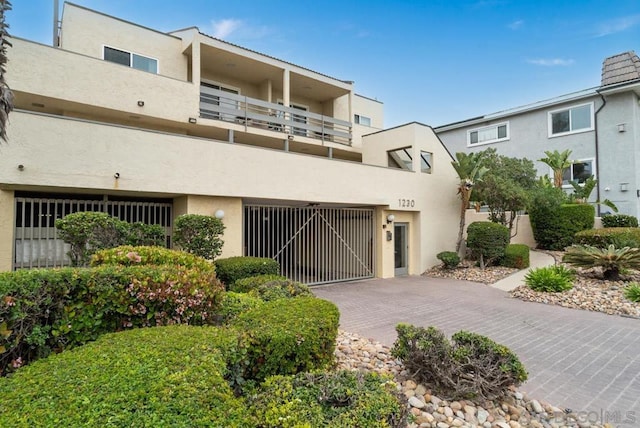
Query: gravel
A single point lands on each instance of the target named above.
(468, 271)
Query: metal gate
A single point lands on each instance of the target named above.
(313, 245)
(36, 241)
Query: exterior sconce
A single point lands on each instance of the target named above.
(20, 167)
(192, 120)
(390, 218)
(219, 214)
(290, 137)
(624, 187)
(140, 103)
(622, 127)
(116, 175)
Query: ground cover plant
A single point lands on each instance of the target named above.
(632, 292)
(552, 279)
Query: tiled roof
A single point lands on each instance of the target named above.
(620, 68)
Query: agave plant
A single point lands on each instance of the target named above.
(610, 259)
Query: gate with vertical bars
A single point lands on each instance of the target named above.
(36, 242)
(313, 245)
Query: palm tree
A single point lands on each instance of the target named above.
(558, 162)
(470, 169)
(6, 96)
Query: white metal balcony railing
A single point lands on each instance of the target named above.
(252, 112)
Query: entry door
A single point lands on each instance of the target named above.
(401, 248)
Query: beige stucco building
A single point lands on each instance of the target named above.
(147, 125)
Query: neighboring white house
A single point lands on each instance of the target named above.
(599, 125)
(148, 125)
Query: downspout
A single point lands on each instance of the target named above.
(595, 128)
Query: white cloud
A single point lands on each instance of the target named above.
(617, 25)
(516, 24)
(551, 62)
(223, 28)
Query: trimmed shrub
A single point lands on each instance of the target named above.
(337, 399)
(280, 289)
(632, 292)
(53, 309)
(516, 256)
(244, 285)
(145, 234)
(166, 376)
(128, 255)
(619, 220)
(487, 241)
(602, 238)
(450, 259)
(611, 259)
(234, 304)
(553, 279)
(234, 268)
(471, 366)
(199, 234)
(285, 337)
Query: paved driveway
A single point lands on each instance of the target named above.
(586, 361)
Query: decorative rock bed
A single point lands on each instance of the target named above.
(468, 271)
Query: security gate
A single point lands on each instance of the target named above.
(36, 241)
(313, 245)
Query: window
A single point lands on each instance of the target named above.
(578, 171)
(488, 134)
(425, 162)
(400, 158)
(571, 120)
(131, 59)
(362, 120)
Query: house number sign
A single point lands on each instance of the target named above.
(406, 203)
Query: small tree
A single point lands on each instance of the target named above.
(6, 96)
(470, 169)
(558, 162)
(199, 234)
(487, 240)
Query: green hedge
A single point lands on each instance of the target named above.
(234, 304)
(286, 336)
(280, 289)
(234, 268)
(339, 399)
(128, 255)
(487, 240)
(516, 256)
(53, 309)
(619, 220)
(602, 238)
(450, 259)
(245, 285)
(166, 376)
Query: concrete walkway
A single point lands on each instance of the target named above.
(537, 259)
(586, 361)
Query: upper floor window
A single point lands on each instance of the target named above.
(425, 161)
(400, 158)
(578, 171)
(571, 120)
(131, 59)
(362, 120)
(488, 134)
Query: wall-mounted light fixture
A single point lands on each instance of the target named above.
(116, 175)
(140, 103)
(192, 120)
(390, 218)
(290, 137)
(20, 167)
(624, 187)
(219, 214)
(622, 127)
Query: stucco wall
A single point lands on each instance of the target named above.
(6, 229)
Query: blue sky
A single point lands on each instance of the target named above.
(432, 61)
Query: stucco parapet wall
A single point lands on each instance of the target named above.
(77, 78)
(69, 153)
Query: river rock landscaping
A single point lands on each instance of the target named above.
(354, 352)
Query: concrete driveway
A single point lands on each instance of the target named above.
(586, 361)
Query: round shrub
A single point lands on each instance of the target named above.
(280, 289)
(244, 285)
(167, 376)
(199, 234)
(516, 256)
(552, 279)
(487, 240)
(234, 268)
(286, 336)
(619, 220)
(145, 234)
(336, 399)
(128, 255)
(602, 238)
(233, 304)
(450, 259)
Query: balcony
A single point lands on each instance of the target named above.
(254, 113)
